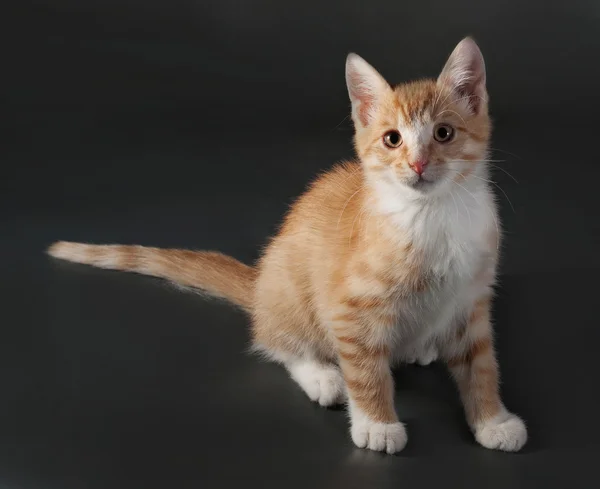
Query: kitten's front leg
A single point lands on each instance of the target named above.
(474, 367)
(366, 369)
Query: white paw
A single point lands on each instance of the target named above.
(504, 432)
(322, 383)
(383, 437)
(423, 356)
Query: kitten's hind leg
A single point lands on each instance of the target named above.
(323, 383)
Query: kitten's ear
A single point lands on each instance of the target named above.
(464, 73)
(365, 87)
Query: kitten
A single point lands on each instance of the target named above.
(391, 258)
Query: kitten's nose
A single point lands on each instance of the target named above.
(418, 166)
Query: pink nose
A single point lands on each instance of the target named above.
(418, 166)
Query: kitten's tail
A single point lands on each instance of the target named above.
(218, 275)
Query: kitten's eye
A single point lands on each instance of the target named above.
(443, 133)
(392, 139)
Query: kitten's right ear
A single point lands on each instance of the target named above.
(365, 87)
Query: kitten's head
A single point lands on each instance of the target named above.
(426, 134)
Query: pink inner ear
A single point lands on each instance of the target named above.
(472, 94)
(470, 86)
(365, 108)
(361, 94)
(464, 73)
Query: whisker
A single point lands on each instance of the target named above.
(464, 204)
(499, 187)
(437, 99)
(463, 98)
(358, 217)
(348, 177)
(507, 152)
(487, 207)
(454, 112)
(505, 195)
(505, 171)
(446, 98)
(455, 205)
(340, 123)
(346, 205)
(491, 162)
(484, 160)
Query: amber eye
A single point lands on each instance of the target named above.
(443, 133)
(392, 139)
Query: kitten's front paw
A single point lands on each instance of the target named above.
(504, 432)
(388, 437)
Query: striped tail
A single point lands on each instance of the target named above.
(218, 275)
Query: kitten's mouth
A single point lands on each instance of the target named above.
(422, 184)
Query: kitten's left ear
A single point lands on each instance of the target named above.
(464, 73)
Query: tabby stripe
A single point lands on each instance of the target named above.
(478, 347)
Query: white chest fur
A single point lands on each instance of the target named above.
(452, 231)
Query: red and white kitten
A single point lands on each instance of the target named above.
(385, 259)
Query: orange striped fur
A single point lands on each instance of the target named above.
(388, 258)
(217, 274)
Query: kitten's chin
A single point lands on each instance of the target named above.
(423, 185)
